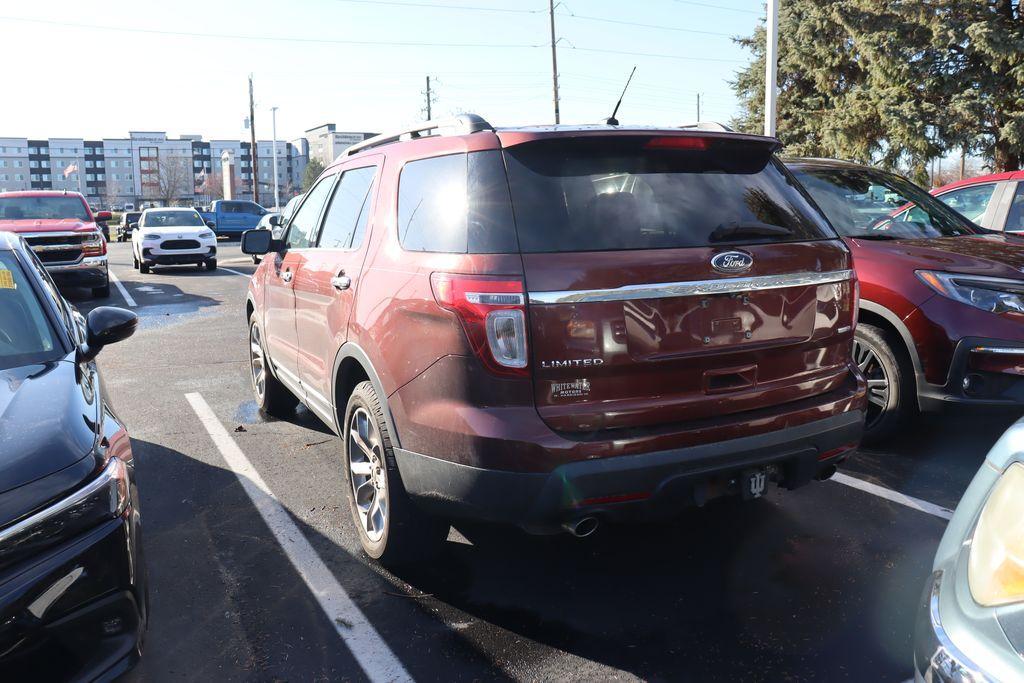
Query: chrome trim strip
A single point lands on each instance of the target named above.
(947, 652)
(665, 290)
(1004, 350)
(87, 263)
(80, 233)
(113, 470)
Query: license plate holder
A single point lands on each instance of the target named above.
(753, 483)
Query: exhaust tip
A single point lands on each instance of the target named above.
(826, 473)
(581, 528)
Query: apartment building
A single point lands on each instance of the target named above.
(326, 143)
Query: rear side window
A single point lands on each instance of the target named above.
(456, 204)
(639, 192)
(346, 209)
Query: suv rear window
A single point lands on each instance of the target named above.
(640, 192)
(456, 204)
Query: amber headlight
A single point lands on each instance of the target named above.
(996, 565)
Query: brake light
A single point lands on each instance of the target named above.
(677, 142)
(492, 311)
(93, 244)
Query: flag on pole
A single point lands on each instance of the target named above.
(72, 168)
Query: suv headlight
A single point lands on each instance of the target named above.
(995, 569)
(151, 236)
(992, 294)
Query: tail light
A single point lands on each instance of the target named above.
(492, 311)
(93, 244)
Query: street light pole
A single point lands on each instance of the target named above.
(771, 67)
(273, 126)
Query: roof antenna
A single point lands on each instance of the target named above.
(611, 120)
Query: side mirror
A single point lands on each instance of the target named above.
(133, 226)
(211, 225)
(257, 241)
(275, 221)
(102, 216)
(106, 325)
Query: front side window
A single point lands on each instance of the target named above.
(346, 209)
(971, 202)
(172, 219)
(654, 192)
(26, 334)
(46, 208)
(302, 229)
(870, 204)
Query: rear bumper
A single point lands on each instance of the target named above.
(79, 611)
(655, 484)
(90, 271)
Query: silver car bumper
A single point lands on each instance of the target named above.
(937, 659)
(87, 263)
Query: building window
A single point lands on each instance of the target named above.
(46, 176)
(100, 176)
(18, 176)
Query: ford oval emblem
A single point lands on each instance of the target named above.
(732, 261)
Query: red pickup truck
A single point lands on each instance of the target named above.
(63, 232)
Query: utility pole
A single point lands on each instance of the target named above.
(698, 107)
(430, 101)
(253, 173)
(273, 127)
(963, 161)
(554, 59)
(771, 66)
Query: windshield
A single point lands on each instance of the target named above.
(172, 219)
(48, 208)
(26, 335)
(872, 204)
(628, 192)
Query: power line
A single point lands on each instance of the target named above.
(635, 23)
(657, 54)
(470, 8)
(721, 7)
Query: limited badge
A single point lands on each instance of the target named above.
(578, 388)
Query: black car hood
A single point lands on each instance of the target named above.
(48, 415)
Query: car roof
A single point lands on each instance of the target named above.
(42, 193)
(990, 178)
(168, 208)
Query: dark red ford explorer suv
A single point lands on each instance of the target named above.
(942, 307)
(553, 326)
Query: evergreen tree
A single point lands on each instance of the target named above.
(313, 170)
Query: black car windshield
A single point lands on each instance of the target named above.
(872, 204)
(26, 334)
(48, 208)
(172, 219)
(638, 192)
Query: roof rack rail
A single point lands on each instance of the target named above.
(463, 124)
(708, 125)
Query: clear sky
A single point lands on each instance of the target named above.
(100, 69)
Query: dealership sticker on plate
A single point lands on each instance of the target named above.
(6, 279)
(578, 388)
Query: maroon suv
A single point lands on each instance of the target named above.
(942, 308)
(550, 326)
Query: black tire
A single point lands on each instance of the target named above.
(891, 384)
(211, 264)
(101, 292)
(143, 267)
(275, 399)
(135, 261)
(408, 534)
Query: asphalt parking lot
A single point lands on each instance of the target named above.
(256, 572)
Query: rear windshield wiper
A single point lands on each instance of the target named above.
(731, 231)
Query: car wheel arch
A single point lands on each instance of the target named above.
(352, 366)
(875, 314)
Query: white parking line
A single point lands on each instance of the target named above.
(236, 272)
(894, 496)
(377, 660)
(121, 288)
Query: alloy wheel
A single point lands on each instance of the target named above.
(878, 381)
(367, 473)
(257, 362)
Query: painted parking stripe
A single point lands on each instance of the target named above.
(377, 660)
(894, 496)
(236, 272)
(121, 288)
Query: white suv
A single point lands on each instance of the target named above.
(173, 236)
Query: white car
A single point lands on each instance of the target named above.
(173, 236)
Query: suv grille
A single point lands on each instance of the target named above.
(61, 247)
(179, 244)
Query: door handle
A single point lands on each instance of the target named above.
(341, 281)
(286, 276)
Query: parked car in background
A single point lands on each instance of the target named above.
(231, 217)
(970, 623)
(173, 236)
(64, 233)
(942, 301)
(611, 329)
(993, 201)
(73, 597)
(276, 220)
(129, 221)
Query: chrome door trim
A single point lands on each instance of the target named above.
(734, 285)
